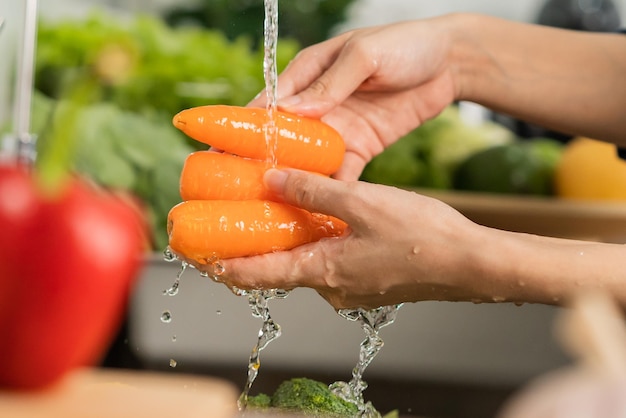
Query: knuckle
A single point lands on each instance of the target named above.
(302, 191)
(360, 48)
(320, 87)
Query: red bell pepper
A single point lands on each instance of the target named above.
(68, 261)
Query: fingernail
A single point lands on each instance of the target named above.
(289, 101)
(274, 180)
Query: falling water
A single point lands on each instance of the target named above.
(258, 299)
(270, 330)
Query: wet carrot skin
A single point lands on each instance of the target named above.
(209, 175)
(204, 231)
(303, 143)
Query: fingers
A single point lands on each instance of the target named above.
(322, 76)
(351, 168)
(312, 192)
(299, 267)
(336, 78)
(303, 70)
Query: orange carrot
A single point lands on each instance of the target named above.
(203, 231)
(303, 143)
(211, 175)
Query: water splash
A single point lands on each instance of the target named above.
(371, 321)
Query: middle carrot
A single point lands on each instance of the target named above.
(209, 175)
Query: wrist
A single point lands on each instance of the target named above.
(505, 266)
(471, 64)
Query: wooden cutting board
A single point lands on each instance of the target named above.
(125, 394)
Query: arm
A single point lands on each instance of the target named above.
(574, 82)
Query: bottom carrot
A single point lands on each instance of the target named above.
(204, 231)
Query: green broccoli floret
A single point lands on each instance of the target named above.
(311, 397)
(260, 401)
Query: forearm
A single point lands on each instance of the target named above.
(574, 82)
(528, 268)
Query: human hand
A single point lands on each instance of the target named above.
(372, 85)
(401, 246)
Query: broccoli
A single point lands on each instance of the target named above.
(305, 396)
(260, 401)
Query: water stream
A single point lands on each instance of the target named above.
(371, 320)
(258, 299)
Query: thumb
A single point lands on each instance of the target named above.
(309, 191)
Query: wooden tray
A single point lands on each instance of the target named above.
(125, 394)
(586, 220)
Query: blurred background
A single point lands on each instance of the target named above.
(439, 359)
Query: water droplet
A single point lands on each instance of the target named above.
(499, 299)
(522, 284)
(415, 250)
(581, 253)
(172, 291)
(168, 255)
(238, 292)
(219, 312)
(166, 317)
(173, 363)
(476, 301)
(173, 338)
(218, 269)
(519, 303)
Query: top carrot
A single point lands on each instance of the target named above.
(303, 143)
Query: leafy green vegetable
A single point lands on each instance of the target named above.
(308, 21)
(124, 150)
(169, 69)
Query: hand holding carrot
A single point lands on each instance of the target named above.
(381, 261)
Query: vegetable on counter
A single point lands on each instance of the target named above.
(522, 168)
(67, 264)
(449, 153)
(307, 397)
